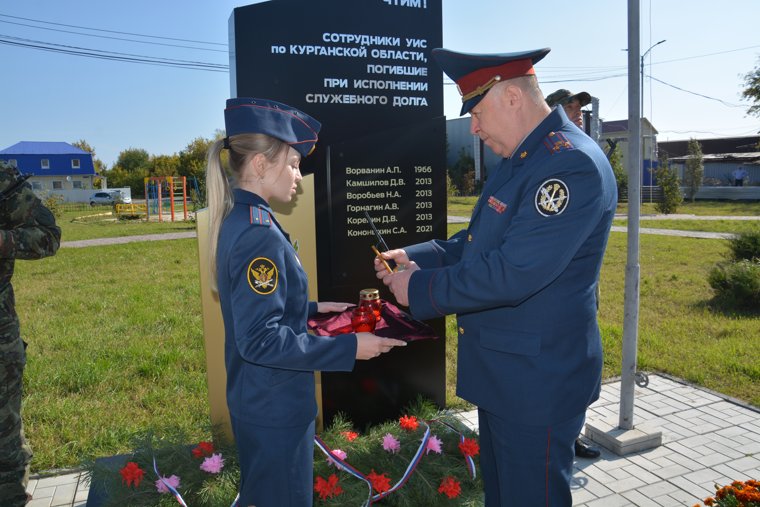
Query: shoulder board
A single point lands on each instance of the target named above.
(556, 142)
(259, 216)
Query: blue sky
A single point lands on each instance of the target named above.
(695, 91)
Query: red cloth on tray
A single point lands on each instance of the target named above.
(393, 323)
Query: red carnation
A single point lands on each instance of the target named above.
(469, 447)
(131, 473)
(408, 422)
(203, 450)
(327, 488)
(450, 487)
(379, 482)
(349, 435)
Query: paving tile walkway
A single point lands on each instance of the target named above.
(707, 439)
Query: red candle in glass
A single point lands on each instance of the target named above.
(363, 320)
(370, 298)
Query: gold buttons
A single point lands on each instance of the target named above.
(469, 237)
(461, 330)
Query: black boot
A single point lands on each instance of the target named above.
(583, 450)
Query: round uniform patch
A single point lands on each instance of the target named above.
(552, 197)
(262, 276)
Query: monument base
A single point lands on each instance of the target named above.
(609, 435)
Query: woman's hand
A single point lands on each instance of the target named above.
(369, 345)
(329, 306)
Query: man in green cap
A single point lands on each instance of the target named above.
(27, 231)
(572, 104)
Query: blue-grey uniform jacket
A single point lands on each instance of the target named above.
(522, 278)
(263, 290)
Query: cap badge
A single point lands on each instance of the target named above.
(262, 276)
(480, 90)
(552, 197)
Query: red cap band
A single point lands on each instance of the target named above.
(471, 82)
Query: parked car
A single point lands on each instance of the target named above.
(109, 197)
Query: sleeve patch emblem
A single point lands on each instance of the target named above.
(262, 276)
(552, 197)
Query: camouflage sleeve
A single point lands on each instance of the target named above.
(27, 227)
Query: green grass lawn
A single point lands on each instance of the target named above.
(462, 206)
(99, 222)
(116, 347)
(732, 226)
(715, 208)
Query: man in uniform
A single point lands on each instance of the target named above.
(27, 231)
(520, 279)
(571, 103)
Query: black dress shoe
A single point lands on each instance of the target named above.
(583, 450)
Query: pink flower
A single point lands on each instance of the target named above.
(213, 464)
(390, 443)
(433, 444)
(172, 481)
(339, 454)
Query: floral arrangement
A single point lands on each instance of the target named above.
(160, 471)
(427, 457)
(738, 494)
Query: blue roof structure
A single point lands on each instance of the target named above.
(43, 148)
(41, 158)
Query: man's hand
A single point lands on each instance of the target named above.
(369, 345)
(398, 256)
(397, 282)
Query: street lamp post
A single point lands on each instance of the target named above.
(643, 144)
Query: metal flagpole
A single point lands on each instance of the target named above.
(632, 268)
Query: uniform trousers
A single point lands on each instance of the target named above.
(527, 465)
(15, 453)
(276, 464)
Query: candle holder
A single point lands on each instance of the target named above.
(363, 320)
(370, 298)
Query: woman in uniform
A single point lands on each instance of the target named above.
(270, 358)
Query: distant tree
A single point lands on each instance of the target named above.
(164, 165)
(671, 189)
(695, 169)
(752, 91)
(621, 175)
(192, 159)
(118, 177)
(133, 159)
(463, 173)
(130, 170)
(100, 166)
(192, 164)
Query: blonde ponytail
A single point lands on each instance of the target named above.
(220, 203)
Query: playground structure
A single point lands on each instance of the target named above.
(159, 189)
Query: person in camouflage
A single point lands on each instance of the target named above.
(27, 231)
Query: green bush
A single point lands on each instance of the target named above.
(621, 175)
(745, 246)
(671, 191)
(737, 284)
(54, 202)
(451, 189)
